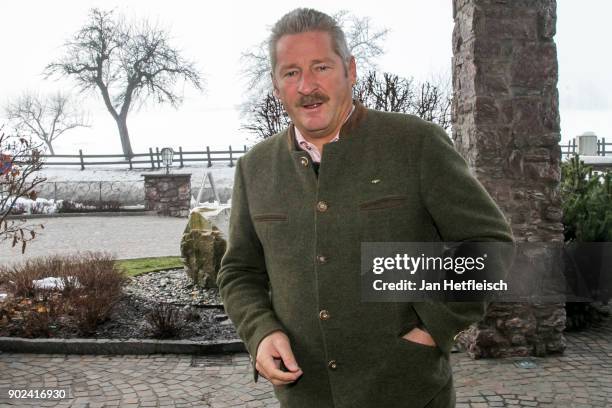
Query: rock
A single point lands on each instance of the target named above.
(178, 289)
(220, 219)
(202, 247)
(220, 317)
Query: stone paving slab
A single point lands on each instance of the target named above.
(580, 378)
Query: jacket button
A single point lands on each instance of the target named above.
(332, 364)
(322, 206)
(324, 315)
(321, 259)
(304, 161)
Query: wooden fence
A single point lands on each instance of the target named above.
(571, 148)
(152, 159)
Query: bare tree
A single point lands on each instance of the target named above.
(430, 100)
(268, 117)
(127, 63)
(20, 161)
(433, 103)
(44, 117)
(390, 93)
(364, 41)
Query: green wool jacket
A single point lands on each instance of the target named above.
(293, 258)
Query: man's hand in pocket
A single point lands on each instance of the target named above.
(417, 335)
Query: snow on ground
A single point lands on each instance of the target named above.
(127, 185)
(38, 206)
(121, 184)
(223, 175)
(55, 283)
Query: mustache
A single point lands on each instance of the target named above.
(315, 97)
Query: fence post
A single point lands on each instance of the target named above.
(82, 162)
(151, 155)
(158, 159)
(100, 190)
(55, 191)
(130, 160)
(245, 148)
(231, 157)
(208, 155)
(181, 155)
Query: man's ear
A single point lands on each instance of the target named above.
(274, 86)
(352, 70)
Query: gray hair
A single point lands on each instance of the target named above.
(302, 20)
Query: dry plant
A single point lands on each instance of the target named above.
(165, 320)
(88, 288)
(20, 163)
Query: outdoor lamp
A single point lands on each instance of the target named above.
(167, 154)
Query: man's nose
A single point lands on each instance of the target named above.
(308, 83)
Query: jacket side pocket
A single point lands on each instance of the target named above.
(270, 217)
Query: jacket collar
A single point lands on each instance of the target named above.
(353, 121)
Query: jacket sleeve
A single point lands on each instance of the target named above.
(242, 278)
(462, 210)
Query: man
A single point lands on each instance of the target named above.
(305, 199)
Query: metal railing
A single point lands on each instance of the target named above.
(124, 192)
(570, 148)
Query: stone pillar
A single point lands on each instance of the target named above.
(506, 124)
(168, 194)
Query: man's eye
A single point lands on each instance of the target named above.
(322, 68)
(290, 73)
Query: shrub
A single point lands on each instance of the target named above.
(165, 320)
(587, 203)
(69, 206)
(19, 278)
(94, 288)
(587, 217)
(90, 287)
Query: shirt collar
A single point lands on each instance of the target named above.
(310, 148)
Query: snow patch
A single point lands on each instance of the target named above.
(54, 283)
(39, 206)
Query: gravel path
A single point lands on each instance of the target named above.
(133, 236)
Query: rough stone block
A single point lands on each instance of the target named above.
(202, 248)
(534, 67)
(485, 111)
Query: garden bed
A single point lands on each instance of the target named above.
(156, 305)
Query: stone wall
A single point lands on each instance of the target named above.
(506, 124)
(168, 194)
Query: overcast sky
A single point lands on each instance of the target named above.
(215, 33)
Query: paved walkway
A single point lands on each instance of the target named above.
(580, 378)
(133, 236)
